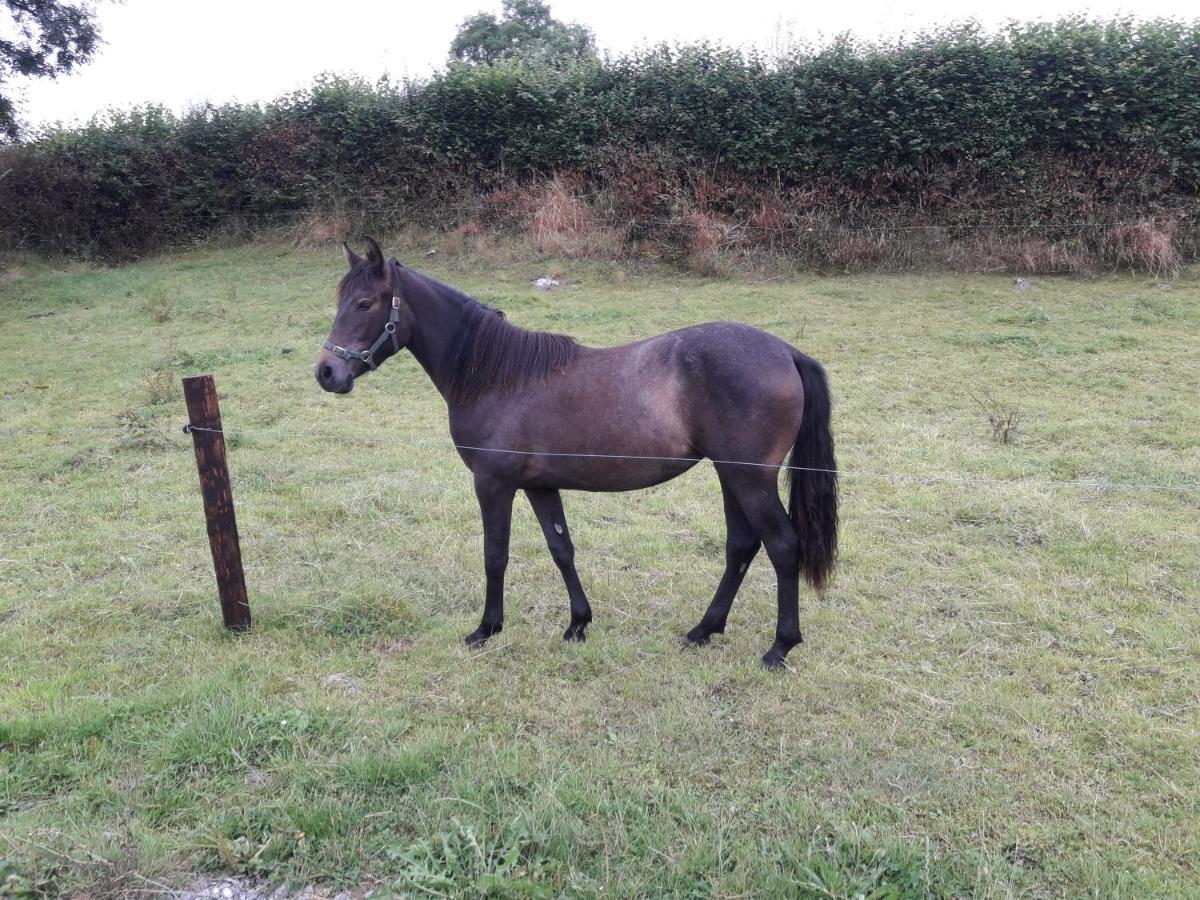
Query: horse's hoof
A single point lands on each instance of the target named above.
(701, 635)
(575, 633)
(480, 636)
(774, 661)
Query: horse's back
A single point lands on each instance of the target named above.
(709, 365)
(728, 349)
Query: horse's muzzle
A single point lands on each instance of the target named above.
(333, 378)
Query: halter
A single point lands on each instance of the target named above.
(368, 356)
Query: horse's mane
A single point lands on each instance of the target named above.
(488, 353)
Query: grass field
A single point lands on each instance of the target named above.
(999, 697)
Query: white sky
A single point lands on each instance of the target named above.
(178, 53)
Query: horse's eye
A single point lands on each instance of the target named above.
(364, 304)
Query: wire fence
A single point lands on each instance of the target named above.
(797, 224)
(798, 227)
(393, 442)
(262, 495)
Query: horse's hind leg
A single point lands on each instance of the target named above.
(757, 493)
(547, 506)
(741, 546)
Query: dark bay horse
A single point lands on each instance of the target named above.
(540, 413)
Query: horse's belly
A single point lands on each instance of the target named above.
(604, 473)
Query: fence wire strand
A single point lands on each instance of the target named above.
(447, 217)
(927, 478)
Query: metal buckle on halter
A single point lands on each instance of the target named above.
(335, 349)
(395, 302)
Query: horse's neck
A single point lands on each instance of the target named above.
(436, 315)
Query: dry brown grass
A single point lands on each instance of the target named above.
(637, 206)
(468, 230)
(563, 225)
(1021, 255)
(320, 229)
(1147, 246)
(508, 208)
(474, 240)
(705, 234)
(557, 213)
(551, 216)
(1037, 256)
(1005, 420)
(770, 223)
(857, 251)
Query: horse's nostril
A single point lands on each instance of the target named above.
(326, 373)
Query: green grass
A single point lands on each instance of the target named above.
(998, 697)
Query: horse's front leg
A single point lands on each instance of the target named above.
(495, 503)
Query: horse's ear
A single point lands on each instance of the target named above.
(374, 256)
(351, 257)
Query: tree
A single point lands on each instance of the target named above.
(42, 39)
(525, 28)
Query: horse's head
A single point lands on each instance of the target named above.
(372, 322)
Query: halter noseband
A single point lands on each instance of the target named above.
(368, 356)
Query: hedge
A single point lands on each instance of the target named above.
(889, 122)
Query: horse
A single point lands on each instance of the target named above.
(541, 413)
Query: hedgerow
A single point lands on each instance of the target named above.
(1036, 122)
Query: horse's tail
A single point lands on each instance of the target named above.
(813, 483)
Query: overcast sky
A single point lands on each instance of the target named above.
(178, 53)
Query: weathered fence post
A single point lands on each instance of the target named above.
(204, 424)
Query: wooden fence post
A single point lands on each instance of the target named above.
(204, 424)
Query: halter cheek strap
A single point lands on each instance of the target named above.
(368, 356)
